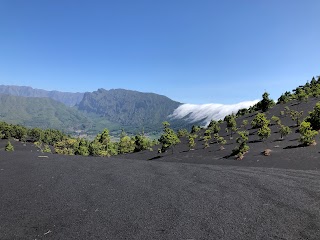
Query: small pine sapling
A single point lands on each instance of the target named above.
(243, 148)
(46, 149)
(244, 123)
(207, 138)
(9, 147)
(221, 141)
(296, 115)
(287, 110)
(276, 120)
(264, 132)
(284, 131)
(192, 143)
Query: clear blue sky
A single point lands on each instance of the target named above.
(192, 51)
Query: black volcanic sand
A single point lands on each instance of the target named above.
(74, 197)
(200, 194)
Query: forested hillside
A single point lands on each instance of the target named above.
(129, 108)
(42, 113)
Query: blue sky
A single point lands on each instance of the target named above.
(192, 51)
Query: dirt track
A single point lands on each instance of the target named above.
(97, 198)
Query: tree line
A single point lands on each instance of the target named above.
(48, 140)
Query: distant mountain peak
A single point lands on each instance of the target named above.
(128, 107)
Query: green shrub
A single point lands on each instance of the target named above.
(245, 123)
(182, 133)
(296, 116)
(46, 149)
(276, 120)
(307, 135)
(9, 147)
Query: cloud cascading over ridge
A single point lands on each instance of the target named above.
(207, 112)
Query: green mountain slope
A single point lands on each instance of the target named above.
(41, 112)
(114, 109)
(129, 108)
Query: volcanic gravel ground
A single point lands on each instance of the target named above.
(71, 197)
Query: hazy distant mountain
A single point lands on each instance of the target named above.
(69, 99)
(129, 108)
(42, 113)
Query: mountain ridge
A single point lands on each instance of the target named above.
(114, 109)
(68, 98)
(128, 107)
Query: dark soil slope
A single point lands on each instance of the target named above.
(63, 197)
(285, 153)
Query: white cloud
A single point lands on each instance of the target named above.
(207, 112)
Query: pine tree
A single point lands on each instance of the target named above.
(214, 126)
(142, 143)
(243, 147)
(231, 124)
(169, 138)
(266, 103)
(126, 144)
(314, 117)
(284, 131)
(264, 132)
(259, 121)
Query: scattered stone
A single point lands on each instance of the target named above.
(47, 232)
(267, 152)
